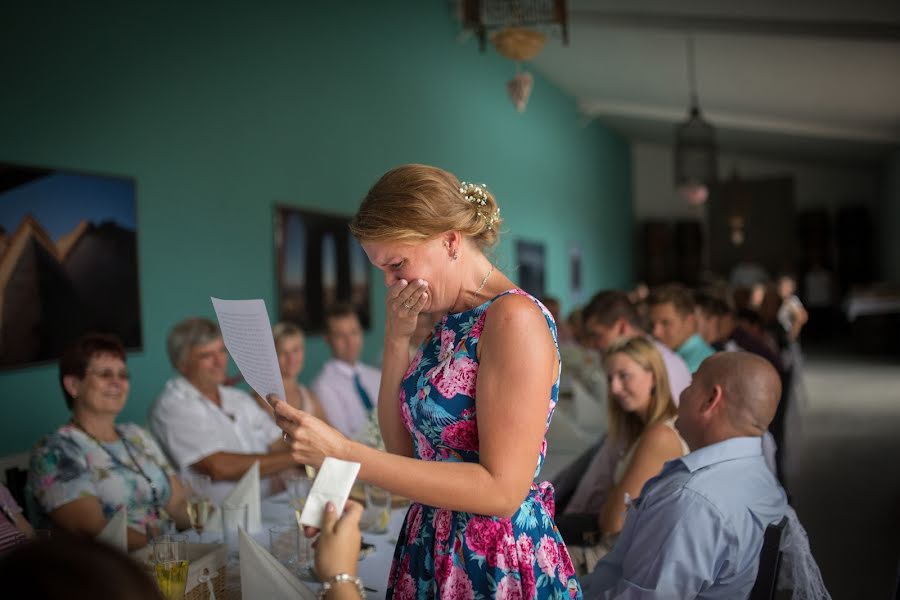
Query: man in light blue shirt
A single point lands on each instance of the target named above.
(697, 529)
(675, 323)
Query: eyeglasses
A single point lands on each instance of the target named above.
(109, 374)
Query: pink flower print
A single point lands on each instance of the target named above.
(405, 585)
(544, 447)
(462, 435)
(415, 521)
(405, 415)
(456, 377)
(448, 339)
(442, 521)
(505, 556)
(457, 586)
(509, 588)
(414, 364)
(443, 563)
(566, 570)
(548, 555)
(525, 550)
(477, 328)
(545, 497)
(489, 538)
(426, 452)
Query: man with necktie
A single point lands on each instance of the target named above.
(347, 388)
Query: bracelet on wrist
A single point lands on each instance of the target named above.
(329, 583)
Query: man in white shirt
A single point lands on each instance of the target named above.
(207, 427)
(347, 388)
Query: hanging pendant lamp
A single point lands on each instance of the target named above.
(695, 146)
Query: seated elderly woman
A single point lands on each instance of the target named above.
(642, 438)
(90, 467)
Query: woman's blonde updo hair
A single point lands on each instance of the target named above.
(628, 427)
(416, 202)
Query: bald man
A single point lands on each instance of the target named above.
(697, 529)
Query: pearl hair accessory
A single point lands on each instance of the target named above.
(476, 194)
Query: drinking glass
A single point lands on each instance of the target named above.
(378, 505)
(298, 489)
(171, 565)
(164, 525)
(284, 541)
(233, 517)
(199, 507)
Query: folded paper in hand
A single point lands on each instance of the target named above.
(332, 484)
(264, 577)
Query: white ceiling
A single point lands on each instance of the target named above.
(797, 78)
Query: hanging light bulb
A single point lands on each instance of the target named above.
(695, 146)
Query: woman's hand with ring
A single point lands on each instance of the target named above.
(405, 300)
(310, 439)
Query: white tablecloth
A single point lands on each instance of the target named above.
(374, 568)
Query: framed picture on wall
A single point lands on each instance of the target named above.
(319, 263)
(530, 261)
(68, 261)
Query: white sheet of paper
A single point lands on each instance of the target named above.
(333, 483)
(248, 337)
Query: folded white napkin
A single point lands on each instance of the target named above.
(246, 491)
(262, 576)
(116, 531)
(333, 483)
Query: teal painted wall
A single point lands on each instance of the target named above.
(222, 111)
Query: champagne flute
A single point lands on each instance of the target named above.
(171, 565)
(199, 506)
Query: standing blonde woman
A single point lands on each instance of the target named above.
(290, 348)
(479, 526)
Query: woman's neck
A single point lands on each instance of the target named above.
(100, 426)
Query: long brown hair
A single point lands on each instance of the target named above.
(628, 427)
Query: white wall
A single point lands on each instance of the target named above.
(816, 186)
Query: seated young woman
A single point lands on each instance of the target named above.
(642, 435)
(290, 348)
(90, 467)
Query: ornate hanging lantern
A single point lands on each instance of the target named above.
(695, 146)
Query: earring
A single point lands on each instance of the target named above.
(455, 254)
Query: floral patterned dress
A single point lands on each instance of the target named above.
(68, 465)
(462, 556)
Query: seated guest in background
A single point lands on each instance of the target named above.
(564, 333)
(718, 325)
(89, 468)
(791, 314)
(675, 325)
(697, 529)
(67, 567)
(610, 316)
(14, 529)
(207, 427)
(290, 348)
(642, 435)
(347, 388)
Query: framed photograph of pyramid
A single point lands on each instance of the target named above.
(68, 261)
